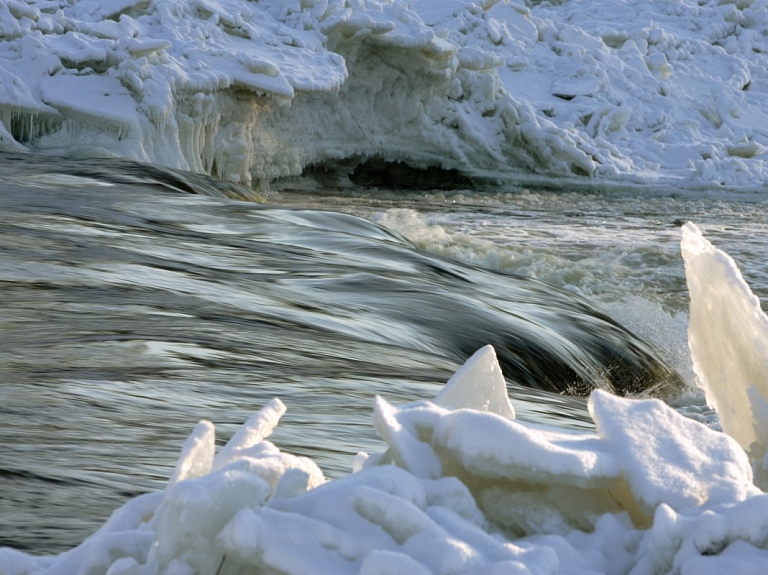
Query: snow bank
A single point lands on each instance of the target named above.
(670, 93)
(460, 489)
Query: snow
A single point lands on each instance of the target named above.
(628, 92)
(466, 488)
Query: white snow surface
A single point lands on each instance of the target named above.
(467, 488)
(616, 92)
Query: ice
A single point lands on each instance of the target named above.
(728, 337)
(463, 487)
(630, 92)
(661, 93)
(669, 460)
(196, 457)
(478, 384)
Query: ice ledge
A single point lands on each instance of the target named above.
(253, 92)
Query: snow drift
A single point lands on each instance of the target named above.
(631, 91)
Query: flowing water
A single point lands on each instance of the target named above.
(130, 309)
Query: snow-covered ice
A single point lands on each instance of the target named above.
(611, 91)
(466, 488)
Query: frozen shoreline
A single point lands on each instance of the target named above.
(609, 94)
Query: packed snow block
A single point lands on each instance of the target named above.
(646, 437)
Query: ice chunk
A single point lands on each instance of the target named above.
(494, 447)
(406, 448)
(728, 337)
(196, 457)
(195, 511)
(670, 459)
(259, 425)
(478, 384)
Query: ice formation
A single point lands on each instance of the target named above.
(466, 488)
(728, 337)
(478, 384)
(671, 93)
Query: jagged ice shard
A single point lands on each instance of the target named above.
(464, 487)
(728, 337)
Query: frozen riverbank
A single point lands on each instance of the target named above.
(669, 94)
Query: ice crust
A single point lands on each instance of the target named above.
(627, 91)
(470, 489)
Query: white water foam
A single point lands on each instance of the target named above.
(469, 489)
(599, 277)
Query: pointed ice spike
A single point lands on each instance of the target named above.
(196, 457)
(259, 425)
(478, 384)
(728, 338)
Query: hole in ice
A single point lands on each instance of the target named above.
(381, 173)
